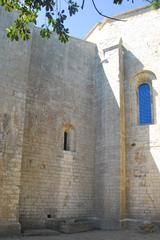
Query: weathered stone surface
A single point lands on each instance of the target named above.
(75, 227)
(9, 229)
(140, 172)
(40, 232)
(111, 169)
(71, 225)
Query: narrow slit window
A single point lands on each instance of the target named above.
(68, 138)
(145, 104)
(66, 141)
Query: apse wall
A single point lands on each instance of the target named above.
(141, 55)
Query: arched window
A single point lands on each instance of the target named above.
(145, 104)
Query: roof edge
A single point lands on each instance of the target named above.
(97, 25)
(127, 14)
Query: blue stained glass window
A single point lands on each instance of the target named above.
(145, 104)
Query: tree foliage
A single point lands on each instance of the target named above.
(28, 11)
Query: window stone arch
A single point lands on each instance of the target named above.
(145, 104)
(143, 77)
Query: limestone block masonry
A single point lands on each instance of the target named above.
(70, 140)
(139, 163)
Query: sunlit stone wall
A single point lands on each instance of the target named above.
(140, 36)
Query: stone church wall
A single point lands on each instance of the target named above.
(14, 63)
(46, 88)
(60, 94)
(70, 140)
(107, 165)
(140, 36)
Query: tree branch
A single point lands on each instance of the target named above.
(149, 1)
(112, 18)
(83, 4)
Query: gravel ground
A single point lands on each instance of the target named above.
(96, 235)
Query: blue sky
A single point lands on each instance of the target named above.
(80, 24)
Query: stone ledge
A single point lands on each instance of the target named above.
(76, 227)
(39, 232)
(10, 229)
(141, 225)
(109, 224)
(72, 225)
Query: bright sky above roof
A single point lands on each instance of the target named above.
(80, 24)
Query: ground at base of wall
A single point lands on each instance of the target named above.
(96, 235)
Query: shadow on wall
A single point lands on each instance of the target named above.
(143, 145)
(107, 161)
(57, 183)
(40, 175)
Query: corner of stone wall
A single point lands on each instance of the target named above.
(10, 229)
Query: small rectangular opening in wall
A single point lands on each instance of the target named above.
(68, 138)
(1, 141)
(66, 147)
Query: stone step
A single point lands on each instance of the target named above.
(75, 227)
(40, 232)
